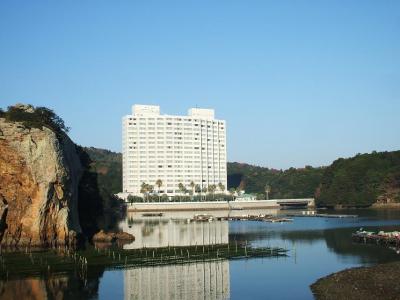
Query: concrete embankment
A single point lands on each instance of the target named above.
(215, 205)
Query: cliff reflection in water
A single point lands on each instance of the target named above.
(205, 280)
(62, 287)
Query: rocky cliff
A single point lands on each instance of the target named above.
(39, 178)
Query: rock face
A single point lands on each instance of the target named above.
(39, 177)
(108, 237)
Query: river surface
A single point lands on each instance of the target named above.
(317, 247)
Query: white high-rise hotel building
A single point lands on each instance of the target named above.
(174, 149)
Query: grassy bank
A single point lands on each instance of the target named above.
(376, 282)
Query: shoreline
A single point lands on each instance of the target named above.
(385, 205)
(374, 282)
(216, 205)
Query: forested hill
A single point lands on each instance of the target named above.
(284, 184)
(290, 183)
(108, 166)
(361, 180)
(357, 181)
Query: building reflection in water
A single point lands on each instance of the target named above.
(164, 232)
(205, 280)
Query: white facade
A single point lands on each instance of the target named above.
(174, 149)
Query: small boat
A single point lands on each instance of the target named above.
(152, 215)
(203, 218)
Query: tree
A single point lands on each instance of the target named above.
(49, 117)
(221, 187)
(130, 199)
(143, 190)
(36, 117)
(150, 190)
(204, 190)
(192, 185)
(182, 188)
(198, 189)
(159, 184)
(232, 192)
(212, 189)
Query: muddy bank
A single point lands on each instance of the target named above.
(376, 282)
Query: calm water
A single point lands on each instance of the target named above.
(317, 247)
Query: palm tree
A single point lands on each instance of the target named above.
(143, 190)
(232, 192)
(221, 187)
(267, 190)
(159, 184)
(181, 188)
(150, 189)
(204, 190)
(192, 185)
(212, 189)
(197, 189)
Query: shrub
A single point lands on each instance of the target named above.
(35, 117)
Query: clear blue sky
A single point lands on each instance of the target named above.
(299, 82)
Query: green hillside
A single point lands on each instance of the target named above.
(290, 183)
(361, 180)
(358, 181)
(284, 184)
(108, 166)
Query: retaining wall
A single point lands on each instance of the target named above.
(212, 205)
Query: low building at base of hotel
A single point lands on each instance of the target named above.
(168, 155)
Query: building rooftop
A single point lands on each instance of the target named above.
(154, 110)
